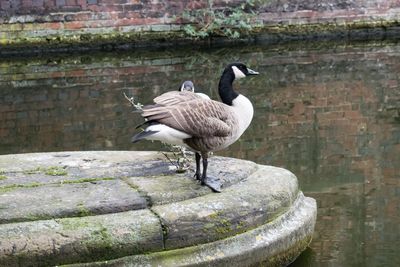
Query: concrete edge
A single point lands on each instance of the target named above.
(265, 245)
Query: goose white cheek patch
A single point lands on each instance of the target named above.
(238, 73)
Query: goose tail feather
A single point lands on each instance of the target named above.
(146, 123)
(142, 135)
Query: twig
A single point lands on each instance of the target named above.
(173, 163)
(131, 100)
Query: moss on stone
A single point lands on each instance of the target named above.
(225, 226)
(56, 171)
(100, 244)
(286, 257)
(241, 225)
(33, 171)
(112, 38)
(219, 224)
(83, 211)
(11, 187)
(73, 223)
(86, 180)
(108, 40)
(52, 170)
(35, 217)
(321, 28)
(2, 177)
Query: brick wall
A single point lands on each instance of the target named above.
(51, 22)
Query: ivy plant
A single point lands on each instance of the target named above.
(231, 22)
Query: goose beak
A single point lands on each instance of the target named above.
(252, 72)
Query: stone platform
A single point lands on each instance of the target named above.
(129, 208)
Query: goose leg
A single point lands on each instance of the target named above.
(212, 182)
(197, 174)
(205, 165)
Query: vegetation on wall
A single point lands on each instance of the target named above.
(231, 22)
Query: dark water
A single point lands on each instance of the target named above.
(329, 114)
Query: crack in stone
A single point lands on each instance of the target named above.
(164, 227)
(149, 204)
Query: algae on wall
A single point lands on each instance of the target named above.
(207, 22)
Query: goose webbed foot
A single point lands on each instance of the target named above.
(197, 176)
(212, 182)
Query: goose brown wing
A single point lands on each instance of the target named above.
(175, 97)
(199, 117)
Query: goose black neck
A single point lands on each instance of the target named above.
(225, 88)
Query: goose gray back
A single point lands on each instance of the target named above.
(203, 125)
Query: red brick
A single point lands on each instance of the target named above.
(112, 1)
(75, 73)
(101, 23)
(352, 114)
(110, 8)
(129, 15)
(70, 2)
(74, 25)
(94, 8)
(82, 3)
(49, 4)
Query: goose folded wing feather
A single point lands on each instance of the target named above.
(175, 97)
(198, 118)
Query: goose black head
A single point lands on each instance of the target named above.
(240, 70)
(187, 86)
(231, 72)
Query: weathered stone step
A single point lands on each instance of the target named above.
(56, 185)
(263, 196)
(85, 239)
(276, 243)
(68, 200)
(147, 215)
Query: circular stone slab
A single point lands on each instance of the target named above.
(118, 208)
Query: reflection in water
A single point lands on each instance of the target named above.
(329, 115)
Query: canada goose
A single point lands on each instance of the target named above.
(189, 86)
(203, 125)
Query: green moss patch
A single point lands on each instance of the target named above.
(83, 211)
(86, 180)
(52, 170)
(55, 171)
(11, 187)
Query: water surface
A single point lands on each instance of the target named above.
(329, 114)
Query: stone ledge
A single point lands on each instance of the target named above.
(267, 245)
(143, 207)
